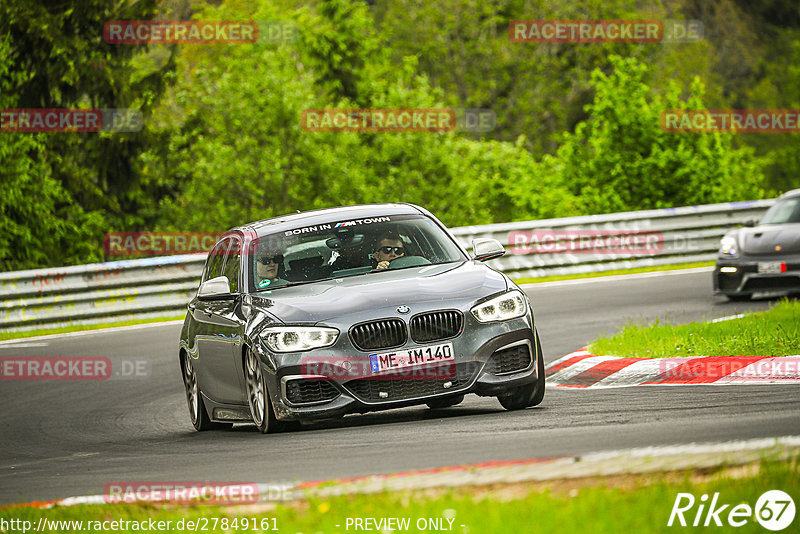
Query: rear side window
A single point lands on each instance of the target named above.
(216, 259)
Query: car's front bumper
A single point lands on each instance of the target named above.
(488, 358)
(741, 276)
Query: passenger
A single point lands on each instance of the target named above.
(389, 247)
(269, 269)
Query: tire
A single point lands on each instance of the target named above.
(739, 298)
(258, 396)
(446, 402)
(538, 395)
(197, 408)
(529, 394)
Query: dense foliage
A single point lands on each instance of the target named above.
(577, 133)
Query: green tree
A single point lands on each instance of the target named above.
(39, 225)
(235, 143)
(621, 159)
(58, 59)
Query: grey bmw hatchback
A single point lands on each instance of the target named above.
(315, 315)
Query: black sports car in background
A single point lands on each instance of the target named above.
(763, 257)
(315, 315)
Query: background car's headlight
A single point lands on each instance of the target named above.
(507, 306)
(727, 246)
(297, 338)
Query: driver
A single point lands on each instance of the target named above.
(389, 247)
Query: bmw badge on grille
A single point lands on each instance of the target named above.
(403, 309)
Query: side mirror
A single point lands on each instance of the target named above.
(486, 249)
(749, 223)
(216, 288)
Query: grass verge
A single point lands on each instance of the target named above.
(653, 269)
(775, 332)
(625, 503)
(82, 327)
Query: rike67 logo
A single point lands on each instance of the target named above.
(774, 510)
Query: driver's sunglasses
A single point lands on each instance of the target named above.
(270, 260)
(397, 250)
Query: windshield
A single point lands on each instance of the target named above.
(349, 248)
(785, 211)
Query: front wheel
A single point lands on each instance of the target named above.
(197, 409)
(258, 396)
(529, 394)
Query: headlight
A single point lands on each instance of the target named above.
(298, 338)
(727, 246)
(508, 306)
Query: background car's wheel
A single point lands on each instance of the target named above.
(197, 408)
(258, 396)
(446, 402)
(529, 394)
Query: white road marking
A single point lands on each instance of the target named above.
(90, 332)
(728, 318)
(618, 277)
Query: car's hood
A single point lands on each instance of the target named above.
(767, 238)
(372, 293)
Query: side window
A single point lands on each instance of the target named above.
(216, 259)
(231, 269)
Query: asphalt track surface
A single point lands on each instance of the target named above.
(67, 438)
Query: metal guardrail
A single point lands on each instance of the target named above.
(686, 234)
(98, 292)
(162, 286)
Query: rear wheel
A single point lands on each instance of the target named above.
(197, 409)
(446, 402)
(529, 394)
(258, 396)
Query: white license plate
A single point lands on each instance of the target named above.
(769, 267)
(400, 359)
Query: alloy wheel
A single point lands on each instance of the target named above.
(255, 388)
(192, 397)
